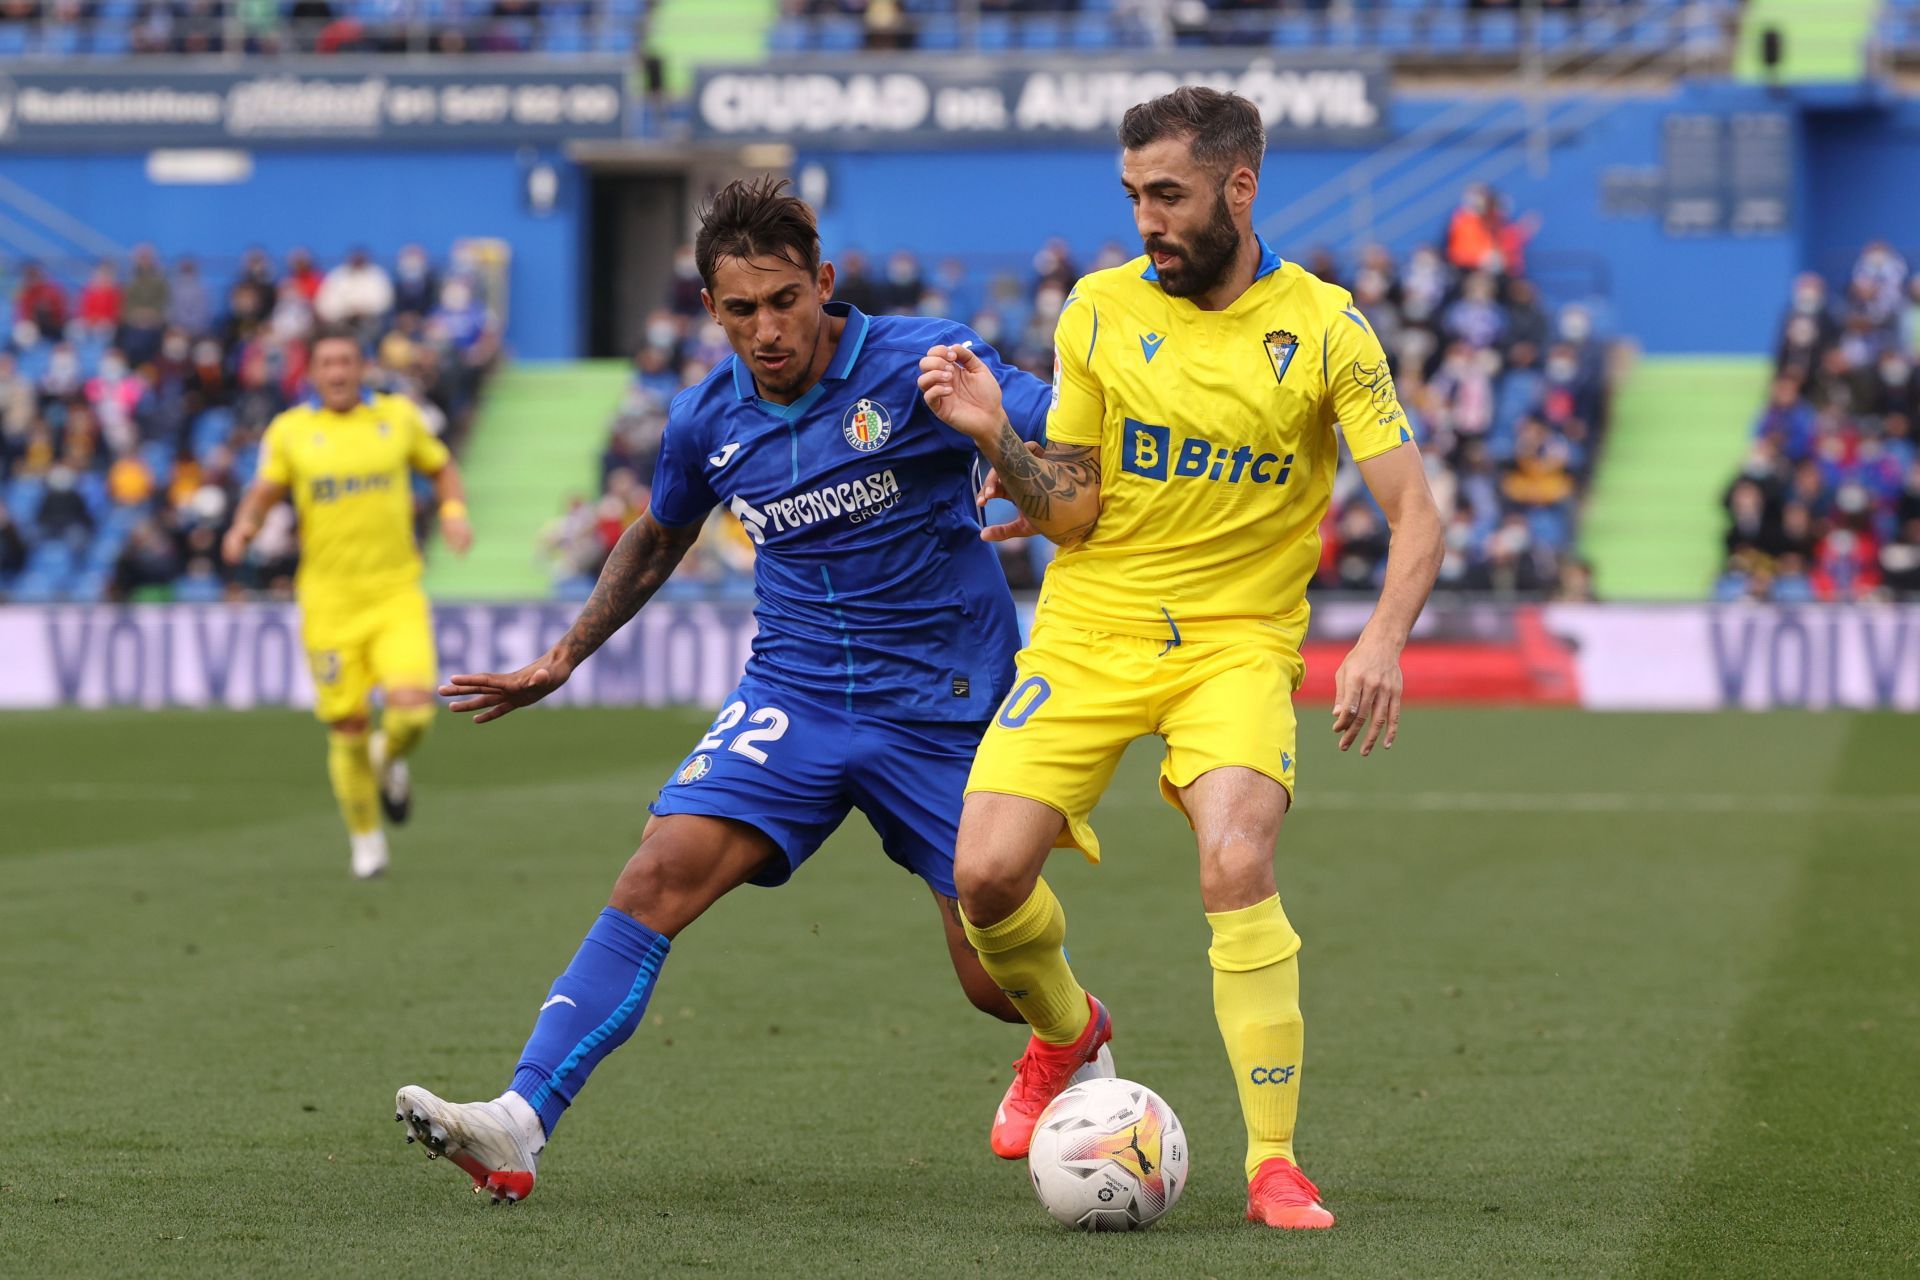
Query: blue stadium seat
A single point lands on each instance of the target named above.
(107, 42)
(1344, 33)
(615, 35)
(1041, 33)
(22, 498)
(789, 35)
(1554, 30)
(56, 40)
(563, 34)
(37, 588)
(210, 430)
(1651, 32)
(938, 33)
(207, 590)
(13, 40)
(1497, 31)
(1296, 31)
(158, 455)
(996, 33)
(838, 35)
(1396, 31)
(51, 559)
(89, 586)
(92, 487)
(1446, 32)
(1093, 31)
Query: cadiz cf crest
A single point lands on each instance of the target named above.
(1280, 348)
(866, 426)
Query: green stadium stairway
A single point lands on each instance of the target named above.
(1822, 41)
(687, 33)
(1653, 523)
(540, 430)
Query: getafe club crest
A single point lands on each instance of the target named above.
(866, 425)
(695, 769)
(1280, 348)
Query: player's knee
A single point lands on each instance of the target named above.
(990, 888)
(1235, 870)
(670, 880)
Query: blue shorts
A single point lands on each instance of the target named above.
(793, 767)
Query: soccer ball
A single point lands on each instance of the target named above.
(1108, 1155)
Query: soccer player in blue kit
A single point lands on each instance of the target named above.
(885, 641)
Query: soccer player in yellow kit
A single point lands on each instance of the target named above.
(1189, 461)
(347, 456)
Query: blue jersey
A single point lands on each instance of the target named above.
(872, 586)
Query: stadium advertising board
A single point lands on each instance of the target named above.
(1327, 100)
(1605, 657)
(288, 103)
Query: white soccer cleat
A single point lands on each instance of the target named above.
(396, 781)
(481, 1137)
(1101, 1068)
(369, 854)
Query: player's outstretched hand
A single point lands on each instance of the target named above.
(458, 533)
(1019, 526)
(962, 391)
(492, 695)
(233, 547)
(1366, 696)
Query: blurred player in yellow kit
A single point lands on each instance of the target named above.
(347, 457)
(1189, 461)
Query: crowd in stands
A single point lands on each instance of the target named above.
(114, 28)
(133, 399)
(1827, 502)
(1507, 399)
(1431, 27)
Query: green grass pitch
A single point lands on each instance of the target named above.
(1586, 995)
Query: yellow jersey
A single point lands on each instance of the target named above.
(350, 476)
(1217, 447)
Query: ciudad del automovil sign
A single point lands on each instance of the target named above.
(920, 99)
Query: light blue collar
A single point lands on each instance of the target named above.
(1270, 262)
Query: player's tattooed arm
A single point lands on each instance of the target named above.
(1057, 489)
(645, 557)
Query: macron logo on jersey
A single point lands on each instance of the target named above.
(1150, 345)
(855, 500)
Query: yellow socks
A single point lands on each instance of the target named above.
(354, 785)
(1256, 998)
(1022, 953)
(404, 727)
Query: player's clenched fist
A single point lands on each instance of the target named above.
(961, 390)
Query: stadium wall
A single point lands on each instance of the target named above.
(331, 199)
(1679, 658)
(980, 201)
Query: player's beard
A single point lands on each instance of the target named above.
(1204, 263)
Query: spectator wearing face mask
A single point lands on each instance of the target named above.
(854, 286)
(1472, 240)
(147, 296)
(100, 301)
(189, 305)
(415, 286)
(900, 294)
(1879, 277)
(358, 292)
(40, 301)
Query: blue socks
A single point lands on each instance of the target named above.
(591, 1011)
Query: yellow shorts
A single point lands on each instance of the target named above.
(1081, 696)
(354, 646)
